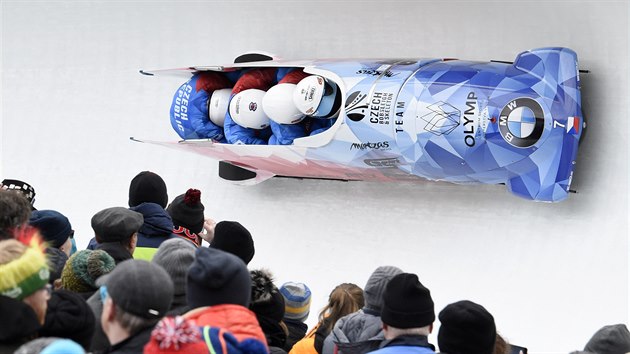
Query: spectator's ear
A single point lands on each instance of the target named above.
(431, 328)
(132, 242)
(57, 284)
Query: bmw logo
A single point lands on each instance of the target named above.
(521, 122)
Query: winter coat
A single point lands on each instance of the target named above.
(157, 228)
(18, 325)
(357, 333)
(235, 318)
(406, 345)
(116, 250)
(297, 331)
(69, 316)
(309, 344)
(284, 134)
(132, 345)
(99, 342)
(189, 109)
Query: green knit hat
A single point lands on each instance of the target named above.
(83, 268)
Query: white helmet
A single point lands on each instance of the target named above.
(218, 105)
(246, 109)
(315, 96)
(278, 105)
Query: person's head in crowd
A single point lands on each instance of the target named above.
(117, 225)
(466, 328)
(232, 237)
(268, 305)
(345, 299)
(50, 345)
(24, 273)
(22, 187)
(408, 308)
(501, 346)
(375, 287)
(135, 295)
(14, 213)
(147, 187)
(175, 256)
(217, 277)
(186, 210)
(181, 335)
(54, 227)
(297, 301)
(57, 261)
(611, 339)
(69, 316)
(84, 268)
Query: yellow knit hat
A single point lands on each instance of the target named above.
(26, 274)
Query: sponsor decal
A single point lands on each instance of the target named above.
(380, 105)
(382, 163)
(381, 145)
(372, 72)
(469, 119)
(253, 106)
(521, 122)
(356, 106)
(442, 119)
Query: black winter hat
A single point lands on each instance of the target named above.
(147, 187)
(267, 301)
(407, 303)
(186, 211)
(54, 226)
(69, 316)
(232, 237)
(466, 328)
(216, 277)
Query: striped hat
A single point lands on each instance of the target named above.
(297, 301)
(27, 273)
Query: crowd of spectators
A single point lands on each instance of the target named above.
(147, 284)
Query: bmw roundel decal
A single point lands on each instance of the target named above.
(522, 122)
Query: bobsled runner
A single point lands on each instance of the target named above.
(513, 123)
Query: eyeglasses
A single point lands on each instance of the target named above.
(48, 289)
(104, 294)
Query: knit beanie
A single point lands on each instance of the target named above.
(375, 286)
(83, 268)
(297, 301)
(232, 237)
(466, 328)
(180, 335)
(217, 277)
(57, 261)
(52, 225)
(69, 316)
(147, 187)
(50, 345)
(176, 255)
(186, 211)
(27, 273)
(407, 303)
(611, 339)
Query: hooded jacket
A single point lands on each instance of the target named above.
(235, 318)
(157, 228)
(357, 333)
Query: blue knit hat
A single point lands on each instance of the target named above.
(297, 301)
(53, 226)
